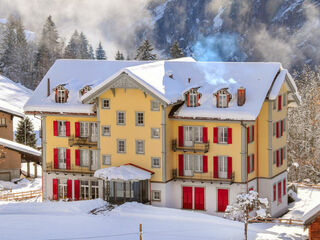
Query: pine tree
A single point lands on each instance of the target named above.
(83, 47)
(91, 53)
(25, 133)
(72, 49)
(175, 51)
(100, 53)
(144, 52)
(119, 56)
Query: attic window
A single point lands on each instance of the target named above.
(223, 98)
(61, 93)
(85, 89)
(192, 98)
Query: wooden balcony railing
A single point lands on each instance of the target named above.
(73, 168)
(208, 176)
(196, 147)
(81, 141)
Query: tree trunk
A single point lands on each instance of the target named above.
(245, 230)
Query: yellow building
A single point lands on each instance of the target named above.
(181, 134)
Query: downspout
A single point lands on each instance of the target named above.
(164, 150)
(246, 150)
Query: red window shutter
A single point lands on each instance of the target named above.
(281, 127)
(55, 158)
(274, 192)
(187, 197)
(205, 163)
(248, 134)
(205, 134)
(252, 133)
(284, 187)
(67, 128)
(199, 198)
(76, 189)
(77, 157)
(55, 128)
(250, 189)
(69, 189)
(229, 135)
(68, 164)
(281, 156)
(215, 167)
(252, 162)
(180, 164)
(54, 189)
(180, 132)
(277, 129)
(279, 193)
(217, 97)
(279, 103)
(77, 129)
(215, 135)
(278, 158)
(229, 167)
(223, 199)
(248, 164)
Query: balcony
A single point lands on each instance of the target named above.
(195, 147)
(82, 141)
(73, 168)
(196, 176)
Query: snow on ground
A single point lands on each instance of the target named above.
(21, 185)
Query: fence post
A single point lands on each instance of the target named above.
(140, 230)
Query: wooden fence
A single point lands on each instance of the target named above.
(20, 196)
(278, 221)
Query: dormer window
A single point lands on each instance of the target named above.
(192, 98)
(61, 94)
(85, 89)
(223, 98)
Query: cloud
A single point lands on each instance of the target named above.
(115, 23)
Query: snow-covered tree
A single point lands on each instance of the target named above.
(304, 129)
(119, 56)
(245, 204)
(144, 52)
(83, 47)
(91, 52)
(176, 51)
(100, 53)
(72, 49)
(25, 133)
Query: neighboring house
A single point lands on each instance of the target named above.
(12, 153)
(181, 134)
(311, 220)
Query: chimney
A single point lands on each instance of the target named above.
(241, 96)
(48, 88)
(189, 80)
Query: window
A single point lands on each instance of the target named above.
(284, 124)
(192, 134)
(94, 132)
(94, 189)
(62, 160)
(251, 162)
(84, 157)
(2, 154)
(84, 190)
(223, 166)
(250, 132)
(223, 100)
(223, 134)
(274, 157)
(274, 192)
(193, 99)
(284, 153)
(284, 99)
(156, 195)
(155, 162)
(94, 156)
(188, 165)
(106, 131)
(84, 129)
(106, 159)
(155, 132)
(62, 189)
(198, 163)
(139, 119)
(275, 104)
(61, 96)
(274, 128)
(61, 128)
(105, 103)
(121, 146)
(279, 193)
(121, 118)
(139, 146)
(284, 187)
(3, 122)
(89, 130)
(155, 105)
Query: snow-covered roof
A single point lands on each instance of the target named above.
(168, 80)
(311, 215)
(123, 172)
(19, 147)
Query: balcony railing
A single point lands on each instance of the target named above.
(82, 141)
(196, 147)
(73, 168)
(208, 176)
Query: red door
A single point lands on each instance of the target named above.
(222, 199)
(199, 198)
(187, 197)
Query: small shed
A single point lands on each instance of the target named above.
(311, 220)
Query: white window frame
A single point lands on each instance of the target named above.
(120, 141)
(251, 163)
(188, 165)
(140, 146)
(61, 95)
(3, 121)
(123, 119)
(62, 158)
(156, 195)
(222, 134)
(198, 163)
(153, 165)
(62, 128)
(274, 107)
(284, 125)
(223, 100)
(105, 103)
(153, 131)
(140, 118)
(62, 189)
(223, 166)
(94, 189)
(84, 129)
(106, 159)
(274, 129)
(84, 190)
(192, 135)
(84, 157)
(155, 105)
(193, 98)
(104, 131)
(275, 157)
(94, 159)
